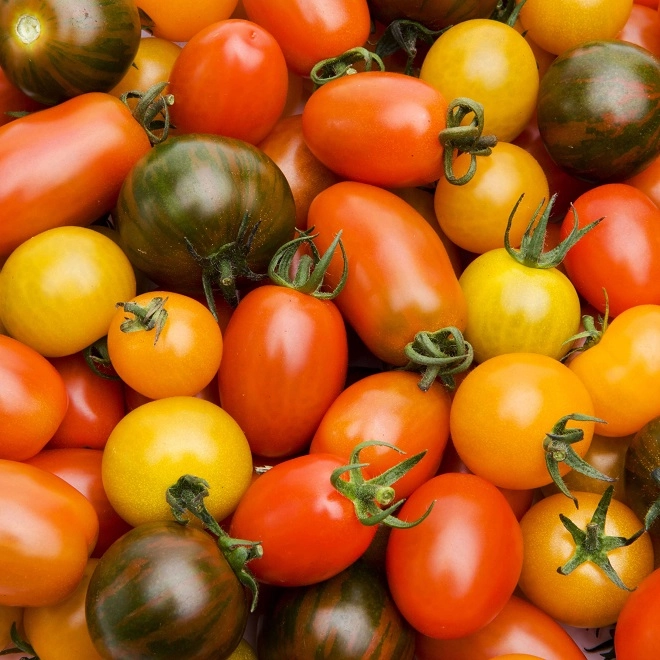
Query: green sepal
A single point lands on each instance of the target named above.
(440, 354)
(187, 496)
(342, 65)
(151, 105)
(592, 544)
(98, 359)
(507, 11)
(591, 333)
(152, 316)
(557, 447)
(369, 495)
(20, 645)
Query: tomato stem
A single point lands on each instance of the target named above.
(591, 334)
(557, 447)
(187, 496)
(592, 545)
(342, 65)
(152, 316)
(151, 105)
(20, 645)
(28, 29)
(98, 359)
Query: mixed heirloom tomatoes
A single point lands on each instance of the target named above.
(329, 329)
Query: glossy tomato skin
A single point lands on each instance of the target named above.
(444, 589)
(270, 380)
(519, 627)
(377, 127)
(350, 615)
(435, 15)
(81, 468)
(309, 535)
(596, 110)
(96, 404)
(230, 79)
(58, 49)
(39, 506)
(388, 407)
(621, 254)
(219, 180)
(636, 635)
(642, 28)
(622, 371)
(56, 174)
(13, 100)
(586, 597)
(165, 588)
(401, 280)
(33, 398)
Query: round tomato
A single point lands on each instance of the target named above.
(582, 595)
(96, 404)
(160, 441)
(642, 28)
(164, 344)
(488, 59)
(504, 409)
(47, 532)
(434, 14)
(230, 79)
(648, 180)
(59, 289)
(446, 589)
(622, 254)
(33, 399)
(13, 100)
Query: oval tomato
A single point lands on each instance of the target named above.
(33, 399)
(447, 589)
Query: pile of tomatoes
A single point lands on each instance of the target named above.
(329, 329)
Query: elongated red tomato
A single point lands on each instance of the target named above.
(65, 165)
(400, 280)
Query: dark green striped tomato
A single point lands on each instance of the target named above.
(350, 616)
(53, 50)
(598, 110)
(165, 591)
(204, 208)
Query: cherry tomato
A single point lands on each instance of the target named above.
(81, 468)
(648, 180)
(59, 289)
(96, 404)
(143, 457)
(312, 30)
(446, 589)
(230, 79)
(33, 400)
(642, 28)
(47, 532)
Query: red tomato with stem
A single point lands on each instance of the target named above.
(230, 79)
(446, 588)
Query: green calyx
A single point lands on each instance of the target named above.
(311, 267)
(557, 447)
(438, 355)
(343, 65)
(592, 545)
(507, 11)
(368, 496)
(187, 496)
(531, 251)
(152, 111)
(152, 316)
(98, 359)
(464, 139)
(20, 645)
(591, 334)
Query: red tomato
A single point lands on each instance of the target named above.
(642, 28)
(47, 532)
(312, 30)
(388, 407)
(96, 404)
(454, 572)
(12, 99)
(648, 181)
(270, 379)
(621, 254)
(82, 469)
(401, 280)
(519, 627)
(65, 165)
(33, 400)
(230, 79)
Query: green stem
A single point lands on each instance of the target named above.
(152, 316)
(337, 67)
(150, 106)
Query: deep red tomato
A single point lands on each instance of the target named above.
(230, 79)
(47, 532)
(401, 280)
(519, 627)
(312, 30)
(621, 254)
(270, 379)
(445, 587)
(65, 165)
(648, 181)
(96, 404)
(33, 400)
(81, 468)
